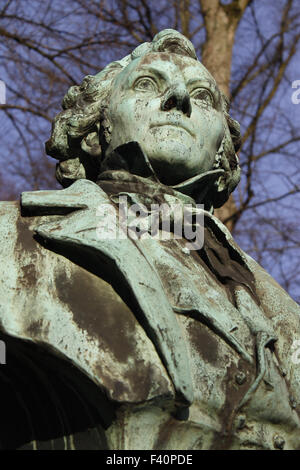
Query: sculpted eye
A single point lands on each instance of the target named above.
(145, 84)
(204, 95)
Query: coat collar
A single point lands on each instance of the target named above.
(130, 158)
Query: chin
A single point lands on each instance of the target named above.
(174, 172)
(173, 162)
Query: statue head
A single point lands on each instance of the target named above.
(161, 97)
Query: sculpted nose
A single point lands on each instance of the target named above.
(177, 97)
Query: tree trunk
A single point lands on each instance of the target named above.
(221, 22)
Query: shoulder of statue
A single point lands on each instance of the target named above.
(48, 299)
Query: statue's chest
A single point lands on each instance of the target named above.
(195, 293)
(222, 377)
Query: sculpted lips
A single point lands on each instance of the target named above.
(173, 123)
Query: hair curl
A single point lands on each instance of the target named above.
(81, 132)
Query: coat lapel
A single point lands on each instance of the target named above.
(80, 230)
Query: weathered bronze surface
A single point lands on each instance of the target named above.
(142, 342)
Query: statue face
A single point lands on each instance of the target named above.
(171, 106)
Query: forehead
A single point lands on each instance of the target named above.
(169, 65)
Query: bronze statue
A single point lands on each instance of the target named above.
(140, 341)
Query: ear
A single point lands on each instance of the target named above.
(226, 159)
(90, 144)
(105, 131)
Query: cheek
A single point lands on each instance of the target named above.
(129, 113)
(210, 126)
(118, 113)
(144, 109)
(218, 131)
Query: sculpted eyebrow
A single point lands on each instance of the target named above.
(152, 70)
(208, 83)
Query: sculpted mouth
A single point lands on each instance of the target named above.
(173, 124)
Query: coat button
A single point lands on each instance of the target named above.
(293, 402)
(240, 378)
(279, 442)
(241, 422)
